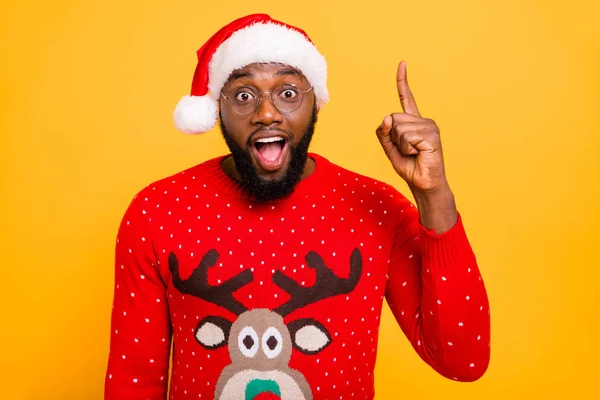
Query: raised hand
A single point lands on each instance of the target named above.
(412, 144)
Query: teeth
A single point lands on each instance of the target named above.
(270, 140)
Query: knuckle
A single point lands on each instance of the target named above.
(433, 124)
(399, 117)
(407, 148)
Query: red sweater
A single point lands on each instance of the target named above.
(283, 300)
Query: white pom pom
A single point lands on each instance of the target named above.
(195, 114)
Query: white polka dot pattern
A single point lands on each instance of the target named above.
(444, 312)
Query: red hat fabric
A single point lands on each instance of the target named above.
(251, 39)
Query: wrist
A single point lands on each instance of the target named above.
(437, 194)
(437, 208)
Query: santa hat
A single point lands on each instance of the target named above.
(251, 39)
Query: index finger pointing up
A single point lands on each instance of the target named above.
(406, 98)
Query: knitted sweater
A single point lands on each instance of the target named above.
(283, 300)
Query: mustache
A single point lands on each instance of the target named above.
(290, 135)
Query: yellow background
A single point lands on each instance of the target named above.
(86, 94)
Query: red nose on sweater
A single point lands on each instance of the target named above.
(267, 396)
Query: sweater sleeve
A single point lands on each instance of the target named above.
(140, 337)
(437, 295)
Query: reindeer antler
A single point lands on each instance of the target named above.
(327, 284)
(197, 284)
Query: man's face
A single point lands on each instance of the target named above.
(269, 146)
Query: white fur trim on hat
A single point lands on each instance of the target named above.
(267, 43)
(195, 114)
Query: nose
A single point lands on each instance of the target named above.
(266, 396)
(262, 389)
(266, 113)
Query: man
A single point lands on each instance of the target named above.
(268, 267)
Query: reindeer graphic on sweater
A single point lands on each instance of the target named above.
(259, 342)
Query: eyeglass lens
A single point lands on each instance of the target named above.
(245, 99)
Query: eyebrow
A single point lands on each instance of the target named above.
(287, 71)
(238, 75)
(247, 74)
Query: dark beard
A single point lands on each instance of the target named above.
(263, 190)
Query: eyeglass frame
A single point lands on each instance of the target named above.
(260, 96)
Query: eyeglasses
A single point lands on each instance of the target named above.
(286, 98)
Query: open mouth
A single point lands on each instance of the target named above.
(270, 152)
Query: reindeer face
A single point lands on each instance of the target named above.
(259, 342)
(261, 339)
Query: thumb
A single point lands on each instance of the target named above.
(384, 134)
(385, 137)
(383, 131)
